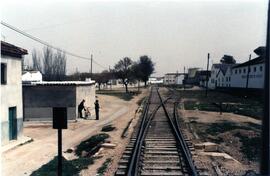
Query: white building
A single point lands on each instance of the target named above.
(11, 92)
(31, 76)
(173, 78)
(156, 80)
(179, 79)
(254, 79)
(40, 98)
(220, 75)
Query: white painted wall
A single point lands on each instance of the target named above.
(213, 78)
(256, 78)
(169, 79)
(32, 76)
(179, 79)
(11, 95)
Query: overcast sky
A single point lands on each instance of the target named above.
(173, 33)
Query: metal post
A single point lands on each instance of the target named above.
(206, 89)
(264, 168)
(91, 65)
(59, 171)
(184, 77)
(248, 72)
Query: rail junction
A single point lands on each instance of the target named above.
(157, 146)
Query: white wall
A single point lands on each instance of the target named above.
(212, 78)
(88, 93)
(11, 95)
(256, 78)
(169, 79)
(179, 79)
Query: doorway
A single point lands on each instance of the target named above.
(12, 123)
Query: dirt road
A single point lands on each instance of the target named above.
(29, 157)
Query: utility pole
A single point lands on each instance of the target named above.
(206, 88)
(91, 71)
(184, 77)
(248, 71)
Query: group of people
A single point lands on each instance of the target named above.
(81, 107)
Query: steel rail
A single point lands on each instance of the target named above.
(134, 161)
(181, 142)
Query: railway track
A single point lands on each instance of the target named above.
(157, 146)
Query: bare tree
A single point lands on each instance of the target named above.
(51, 64)
(37, 65)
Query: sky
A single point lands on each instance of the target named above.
(174, 34)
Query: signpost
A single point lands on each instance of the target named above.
(59, 123)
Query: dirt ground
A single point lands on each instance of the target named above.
(115, 138)
(227, 131)
(25, 159)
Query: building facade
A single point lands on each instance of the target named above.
(249, 74)
(11, 92)
(220, 75)
(40, 98)
(173, 79)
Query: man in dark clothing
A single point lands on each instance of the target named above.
(80, 108)
(97, 109)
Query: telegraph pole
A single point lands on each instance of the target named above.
(91, 71)
(206, 88)
(248, 71)
(184, 77)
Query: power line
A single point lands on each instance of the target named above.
(47, 44)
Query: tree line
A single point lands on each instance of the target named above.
(52, 65)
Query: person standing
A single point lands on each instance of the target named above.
(80, 108)
(97, 109)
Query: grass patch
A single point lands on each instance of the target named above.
(70, 168)
(91, 145)
(119, 94)
(217, 128)
(250, 146)
(108, 128)
(248, 106)
(104, 167)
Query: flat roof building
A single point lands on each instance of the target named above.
(40, 98)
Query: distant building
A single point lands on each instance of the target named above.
(254, 79)
(202, 77)
(192, 77)
(218, 74)
(173, 78)
(156, 80)
(40, 98)
(31, 76)
(11, 90)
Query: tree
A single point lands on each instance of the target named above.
(51, 65)
(36, 61)
(123, 71)
(146, 67)
(137, 73)
(102, 78)
(226, 59)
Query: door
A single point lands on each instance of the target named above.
(12, 123)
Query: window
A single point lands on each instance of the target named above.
(261, 68)
(235, 71)
(254, 69)
(240, 70)
(244, 70)
(3, 73)
(229, 78)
